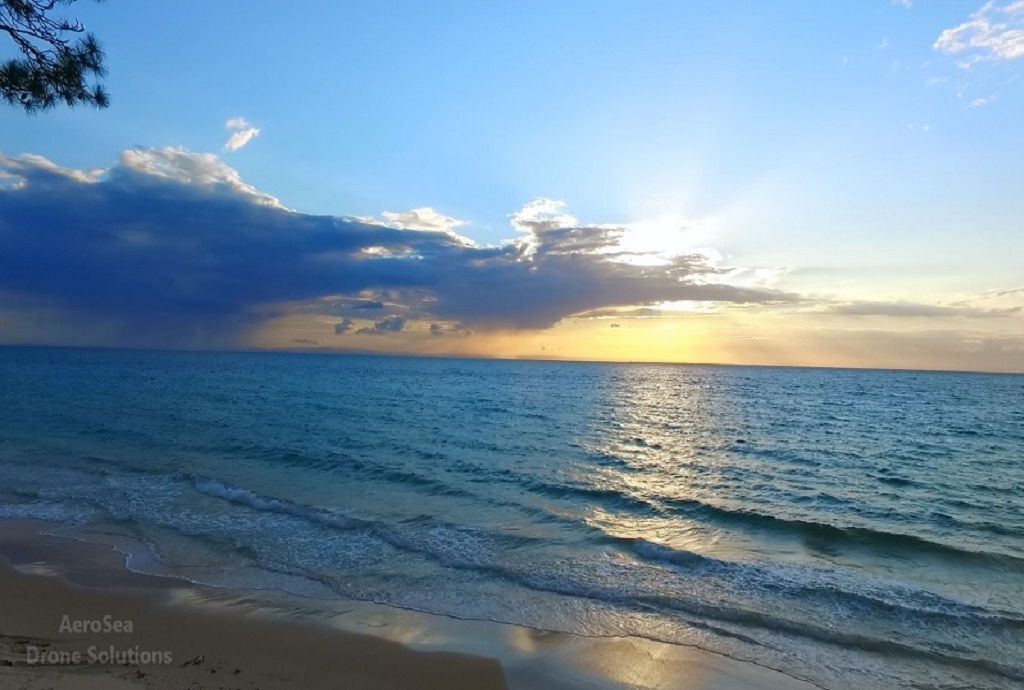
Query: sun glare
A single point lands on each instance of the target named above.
(657, 241)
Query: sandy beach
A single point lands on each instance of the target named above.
(74, 618)
(184, 645)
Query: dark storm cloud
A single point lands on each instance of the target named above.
(392, 324)
(170, 242)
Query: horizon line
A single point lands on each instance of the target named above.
(553, 360)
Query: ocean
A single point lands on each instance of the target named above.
(857, 529)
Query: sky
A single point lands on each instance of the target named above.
(800, 183)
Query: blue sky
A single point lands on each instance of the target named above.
(832, 138)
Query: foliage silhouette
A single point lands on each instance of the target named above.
(58, 58)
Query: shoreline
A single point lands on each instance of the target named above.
(60, 596)
(63, 602)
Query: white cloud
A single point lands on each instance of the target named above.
(15, 168)
(425, 219)
(980, 102)
(904, 3)
(185, 167)
(994, 32)
(242, 132)
(542, 215)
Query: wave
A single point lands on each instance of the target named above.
(444, 543)
(897, 601)
(459, 547)
(750, 619)
(244, 497)
(621, 586)
(48, 511)
(849, 535)
(842, 535)
(600, 494)
(936, 610)
(328, 461)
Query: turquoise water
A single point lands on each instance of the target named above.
(859, 529)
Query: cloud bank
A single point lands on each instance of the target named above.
(916, 310)
(170, 246)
